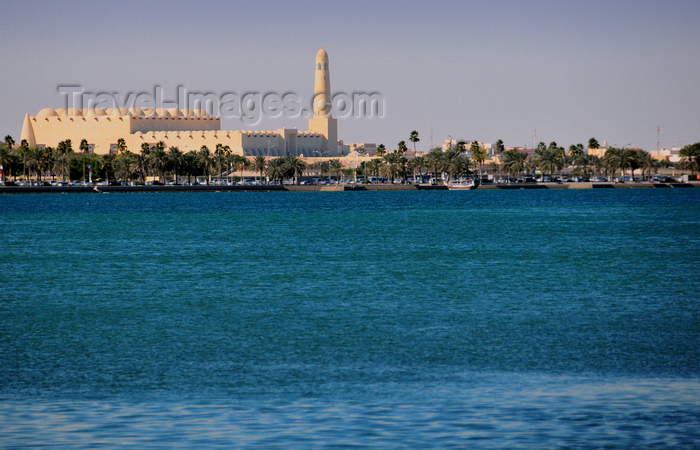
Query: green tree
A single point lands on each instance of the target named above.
(416, 165)
(121, 145)
(593, 143)
(374, 166)
(690, 157)
(381, 150)
(259, 165)
(414, 138)
(175, 161)
(500, 148)
(36, 160)
(618, 159)
(9, 142)
(204, 158)
(84, 148)
(276, 169)
(241, 163)
(190, 166)
(551, 160)
(435, 160)
(478, 156)
(336, 168)
(457, 165)
(222, 153)
(401, 147)
(123, 169)
(7, 158)
(157, 160)
(294, 167)
(583, 165)
(513, 162)
(138, 165)
(61, 164)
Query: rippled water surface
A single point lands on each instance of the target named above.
(400, 319)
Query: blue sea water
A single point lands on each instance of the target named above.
(480, 319)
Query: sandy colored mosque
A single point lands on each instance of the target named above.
(187, 129)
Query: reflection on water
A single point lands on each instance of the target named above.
(508, 411)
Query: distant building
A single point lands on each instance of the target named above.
(667, 154)
(186, 129)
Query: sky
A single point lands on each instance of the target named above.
(626, 72)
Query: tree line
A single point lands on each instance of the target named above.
(459, 160)
(152, 161)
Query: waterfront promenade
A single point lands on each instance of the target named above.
(340, 187)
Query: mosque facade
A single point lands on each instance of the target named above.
(187, 129)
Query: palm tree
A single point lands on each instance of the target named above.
(6, 157)
(593, 144)
(239, 162)
(204, 158)
(276, 169)
(175, 159)
(157, 161)
(390, 161)
(478, 156)
(373, 166)
(259, 165)
(583, 165)
(513, 162)
(416, 164)
(123, 169)
(618, 158)
(381, 150)
(575, 150)
(434, 160)
(190, 165)
(121, 145)
(65, 146)
(551, 161)
(222, 152)
(690, 157)
(61, 164)
(84, 148)
(457, 166)
(36, 160)
(138, 164)
(294, 167)
(336, 167)
(647, 163)
(9, 142)
(401, 147)
(414, 138)
(500, 148)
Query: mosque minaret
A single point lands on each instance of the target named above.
(322, 121)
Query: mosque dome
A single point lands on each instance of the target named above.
(322, 54)
(74, 112)
(61, 112)
(46, 112)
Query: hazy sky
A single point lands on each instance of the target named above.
(484, 70)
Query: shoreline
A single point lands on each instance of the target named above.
(331, 188)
